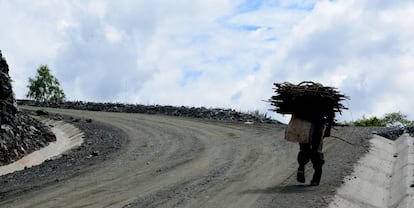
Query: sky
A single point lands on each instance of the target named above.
(215, 53)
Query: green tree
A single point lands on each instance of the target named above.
(45, 87)
(396, 119)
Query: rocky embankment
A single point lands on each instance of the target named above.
(194, 112)
(20, 134)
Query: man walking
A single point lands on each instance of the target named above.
(313, 107)
(312, 150)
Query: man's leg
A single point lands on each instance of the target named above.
(317, 161)
(316, 154)
(303, 159)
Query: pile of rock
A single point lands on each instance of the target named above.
(391, 133)
(8, 106)
(20, 134)
(194, 112)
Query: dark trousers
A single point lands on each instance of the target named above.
(312, 151)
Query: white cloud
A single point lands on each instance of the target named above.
(215, 53)
(112, 35)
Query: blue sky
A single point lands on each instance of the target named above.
(216, 53)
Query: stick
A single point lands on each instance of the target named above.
(343, 140)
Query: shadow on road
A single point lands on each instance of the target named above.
(280, 189)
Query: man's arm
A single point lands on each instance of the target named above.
(329, 124)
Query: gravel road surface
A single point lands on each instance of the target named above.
(162, 161)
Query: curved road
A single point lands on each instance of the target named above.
(179, 162)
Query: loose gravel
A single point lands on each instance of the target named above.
(101, 142)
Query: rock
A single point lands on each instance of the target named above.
(50, 137)
(95, 153)
(3, 146)
(32, 128)
(8, 129)
(42, 113)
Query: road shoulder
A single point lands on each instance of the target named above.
(102, 142)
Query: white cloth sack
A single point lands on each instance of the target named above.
(298, 130)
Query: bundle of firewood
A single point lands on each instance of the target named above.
(307, 98)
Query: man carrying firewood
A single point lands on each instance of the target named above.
(313, 107)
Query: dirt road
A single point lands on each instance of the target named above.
(184, 162)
